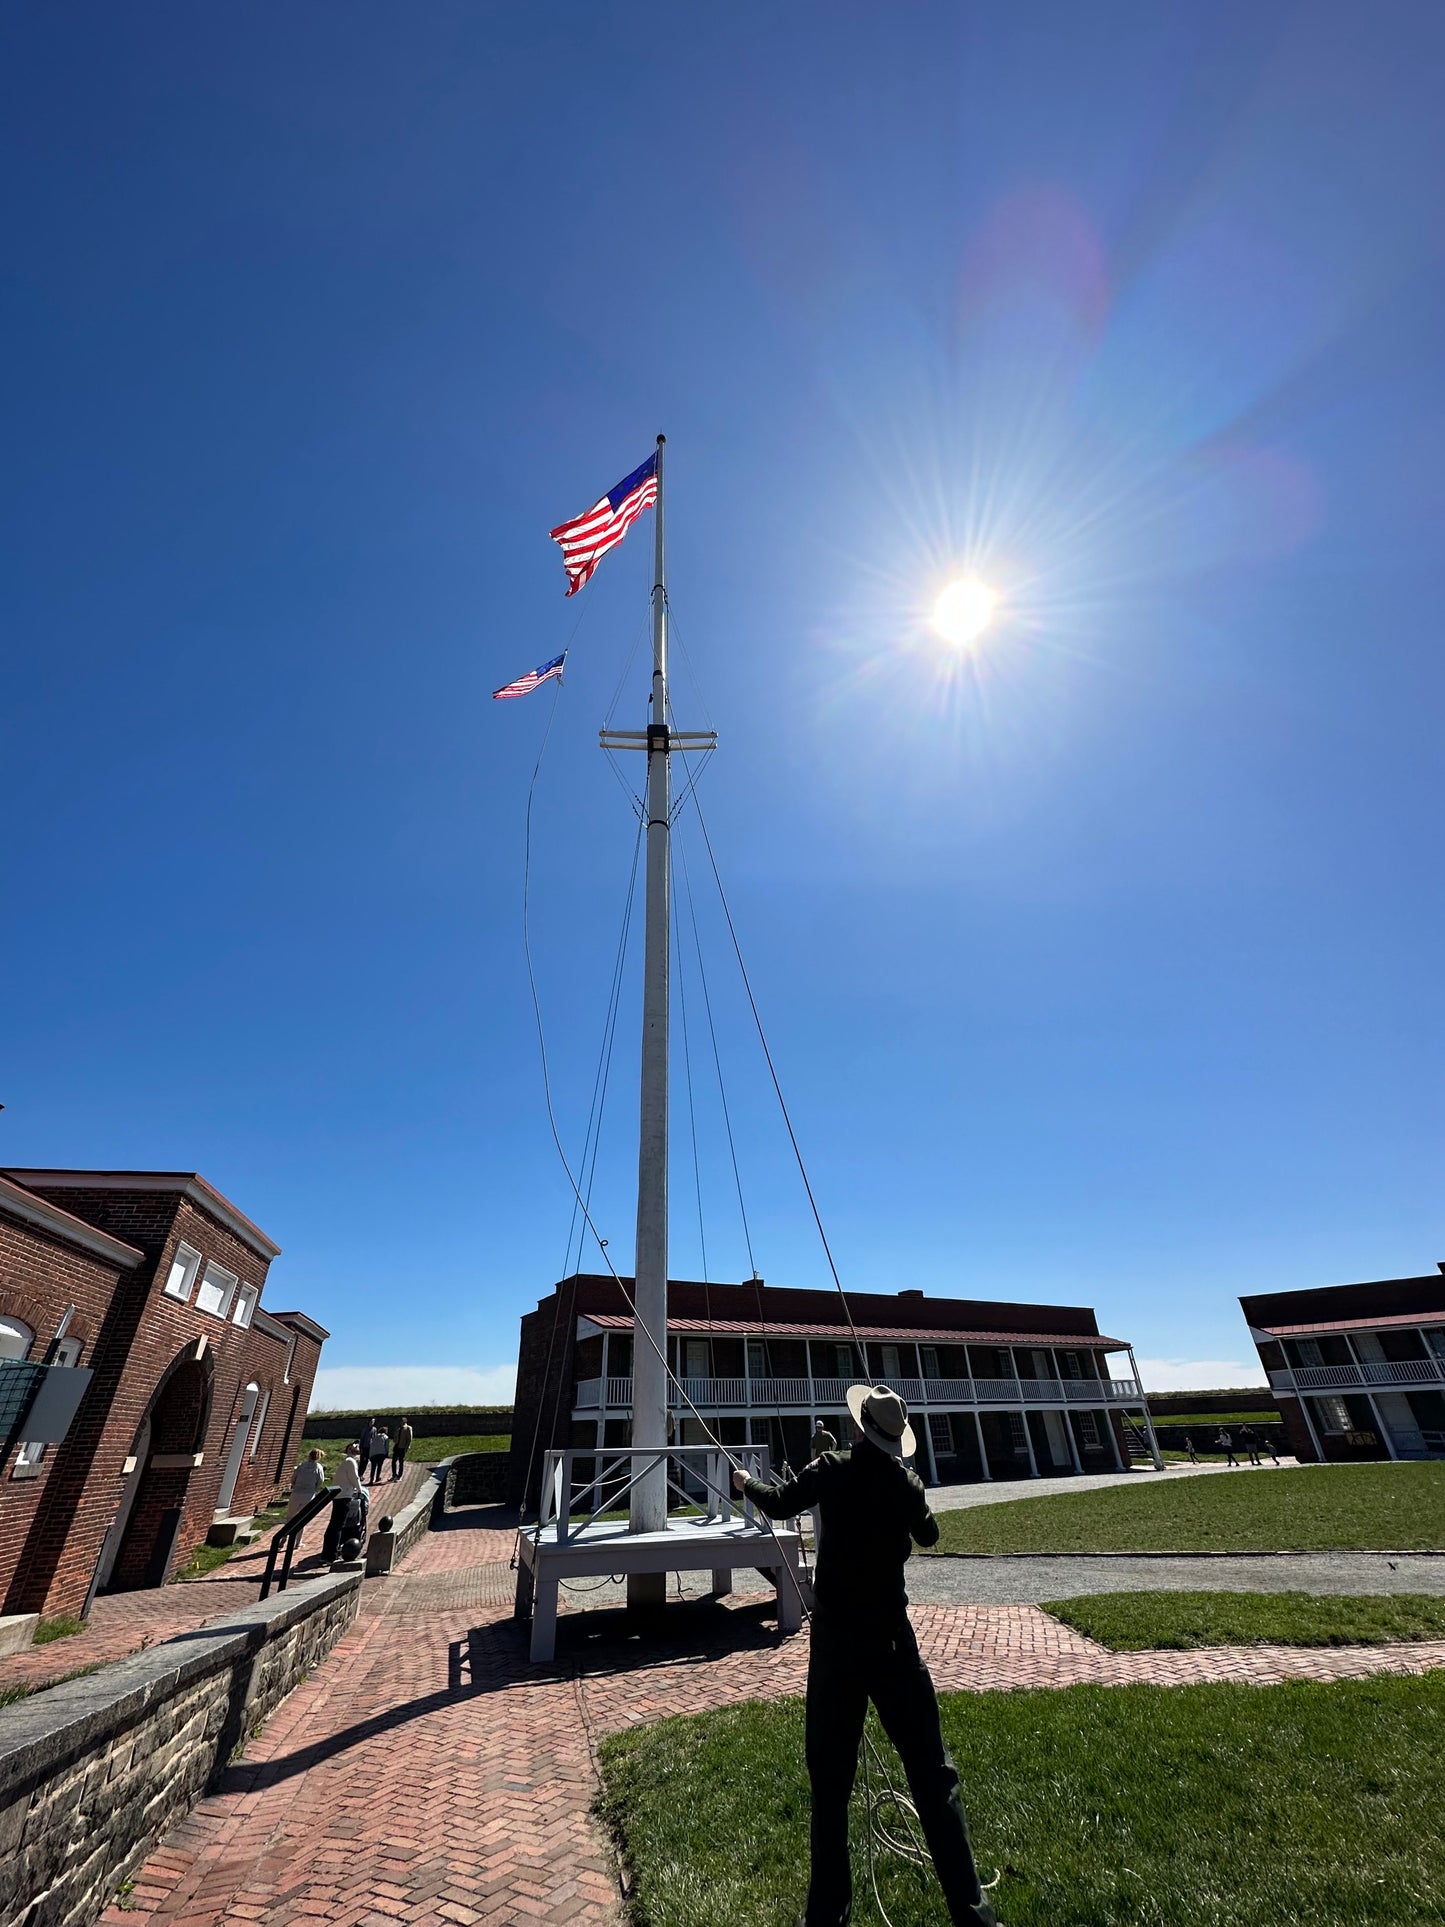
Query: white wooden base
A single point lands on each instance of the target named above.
(687, 1545)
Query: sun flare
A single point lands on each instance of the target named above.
(963, 611)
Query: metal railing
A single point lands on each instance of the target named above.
(287, 1534)
(608, 1476)
(825, 1395)
(1390, 1372)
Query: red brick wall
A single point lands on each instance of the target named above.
(142, 1335)
(39, 1277)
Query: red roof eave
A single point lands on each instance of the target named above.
(1393, 1321)
(752, 1328)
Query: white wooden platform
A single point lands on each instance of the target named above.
(688, 1545)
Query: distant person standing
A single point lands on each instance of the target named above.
(1225, 1442)
(1268, 1444)
(1249, 1439)
(306, 1481)
(1189, 1448)
(363, 1443)
(380, 1447)
(400, 1446)
(822, 1441)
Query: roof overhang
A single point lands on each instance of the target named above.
(591, 1324)
(183, 1184)
(298, 1321)
(1411, 1320)
(49, 1217)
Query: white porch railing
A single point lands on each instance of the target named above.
(828, 1394)
(1392, 1372)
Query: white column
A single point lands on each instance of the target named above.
(603, 1400)
(982, 1448)
(649, 1350)
(812, 1395)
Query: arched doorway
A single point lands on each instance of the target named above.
(240, 1431)
(169, 1439)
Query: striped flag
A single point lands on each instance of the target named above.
(534, 678)
(587, 539)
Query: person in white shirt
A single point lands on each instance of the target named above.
(349, 1492)
(306, 1481)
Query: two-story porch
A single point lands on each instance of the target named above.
(1365, 1388)
(986, 1404)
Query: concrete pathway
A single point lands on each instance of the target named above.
(427, 1773)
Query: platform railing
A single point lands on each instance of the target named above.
(1346, 1378)
(613, 1472)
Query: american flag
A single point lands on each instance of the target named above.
(524, 685)
(585, 540)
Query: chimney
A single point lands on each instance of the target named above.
(919, 1294)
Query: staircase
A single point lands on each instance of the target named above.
(1136, 1441)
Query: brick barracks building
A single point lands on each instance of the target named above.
(151, 1282)
(995, 1391)
(1359, 1370)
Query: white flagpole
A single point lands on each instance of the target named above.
(649, 1371)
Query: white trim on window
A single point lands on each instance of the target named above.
(245, 1305)
(16, 1338)
(184, 1266)
(217, 1287)
(1089, 1428)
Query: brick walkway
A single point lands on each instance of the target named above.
(124, 1622)
(428, 1774)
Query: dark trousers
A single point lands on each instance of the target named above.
(845, 1670)
(398, 1461)
(378, 1461)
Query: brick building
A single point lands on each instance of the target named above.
(996, 1391)
(1359, 1370)
(153, 1281)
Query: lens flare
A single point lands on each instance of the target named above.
(963, 611)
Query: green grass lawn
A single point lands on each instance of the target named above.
(1312, 1508)
(1204, 1806)
(1136, 1622)
(1213, 1420)
(423, 1451)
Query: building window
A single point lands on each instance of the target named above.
(843, 1361)
(757, 1359)
(1435, 1342)
(1309, 1353)
(184, 1267)
(891, 1366)
(216, 1288)
(15, 1338)
(1089, 1428)
(1018, 1438)
(698, 1358)
(245, 1305)
(260, 1420)
(940, 1430)
(929, 1356)
(1334, 1414)
(1072, 1367)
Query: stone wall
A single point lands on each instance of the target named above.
(479, 1478)
(93, 1772)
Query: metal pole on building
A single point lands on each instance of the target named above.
(649, 1374)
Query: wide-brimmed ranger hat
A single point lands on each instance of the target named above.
(882, 1418)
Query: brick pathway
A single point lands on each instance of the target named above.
(124, 1622)
(428, 1774)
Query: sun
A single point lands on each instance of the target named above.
(963, 611)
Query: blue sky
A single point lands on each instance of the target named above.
(1101, 964)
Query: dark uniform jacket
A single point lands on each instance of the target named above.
(873, 1509)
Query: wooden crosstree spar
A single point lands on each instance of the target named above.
(572, 1539)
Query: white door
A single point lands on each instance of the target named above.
(238, 1447)
(1058, 1442)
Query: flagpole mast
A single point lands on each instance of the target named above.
(649, 1343)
